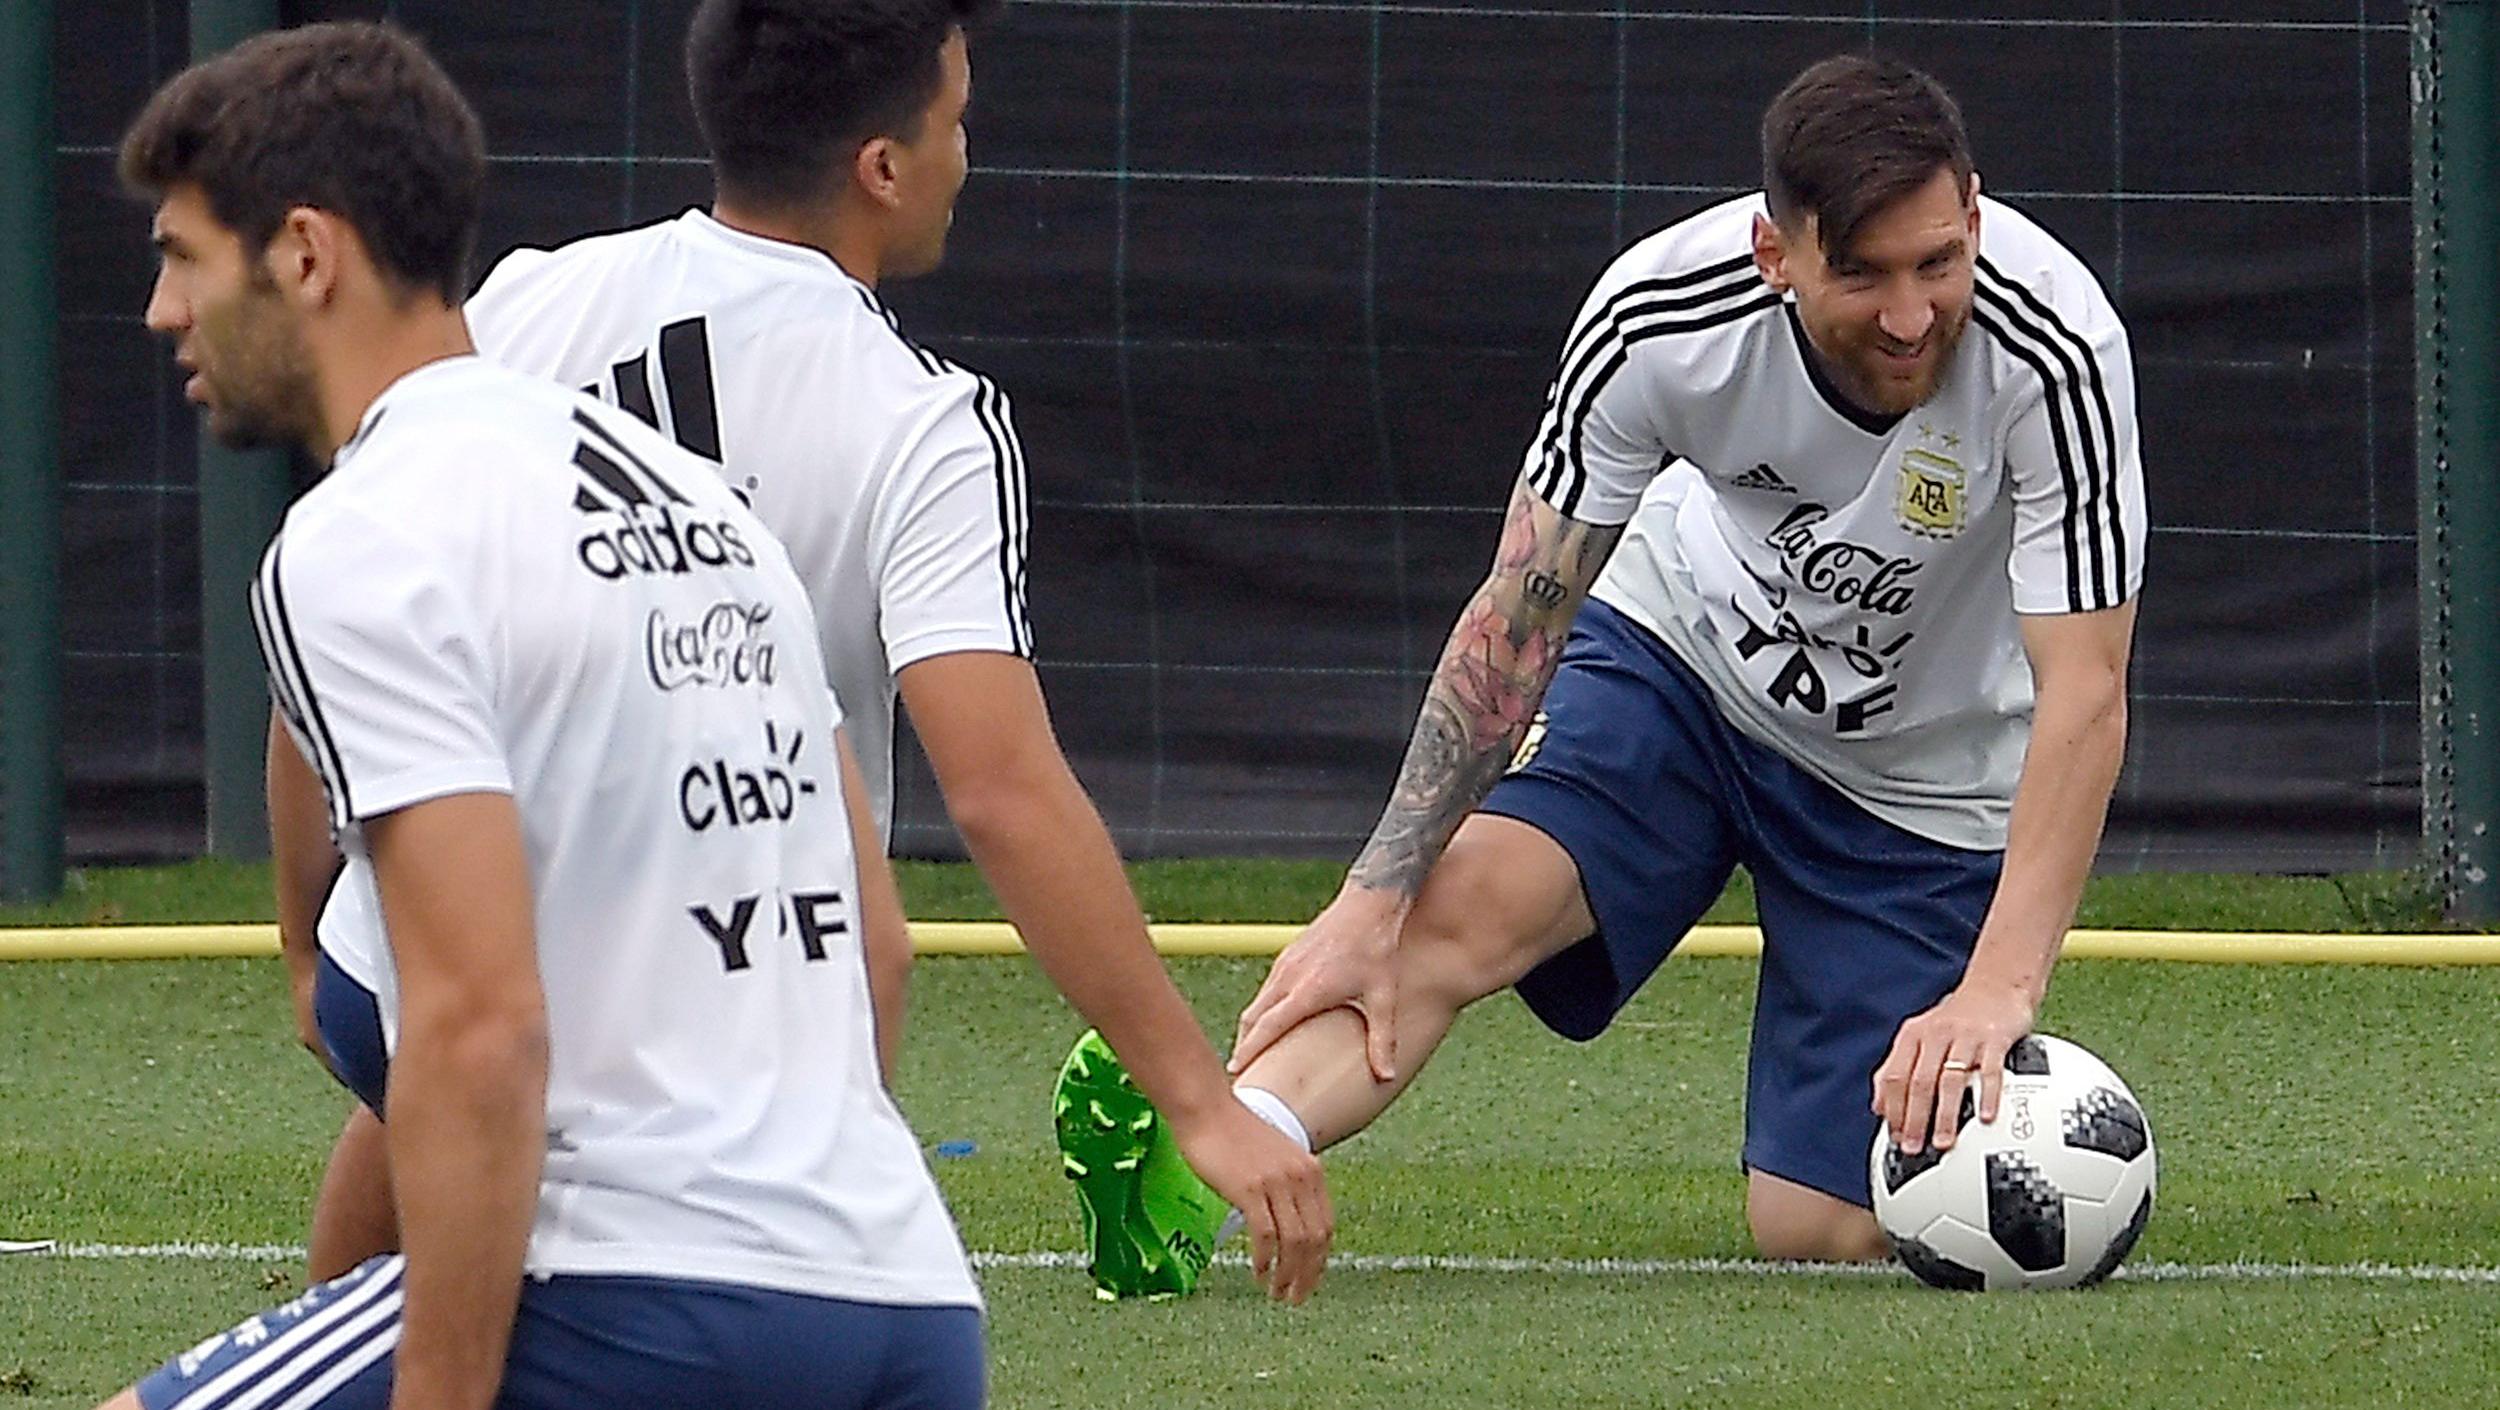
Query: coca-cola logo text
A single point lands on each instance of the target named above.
(726, 646)
(1846, 573)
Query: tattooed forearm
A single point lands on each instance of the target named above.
(1492, 676)
(1420, 818)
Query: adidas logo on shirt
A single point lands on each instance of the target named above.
(1763, 477)
(653, 537)
(657, 541)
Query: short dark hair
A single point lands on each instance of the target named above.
(785, 89)
(1850, 136)
(350, 118)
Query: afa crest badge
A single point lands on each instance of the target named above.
(1930, 501)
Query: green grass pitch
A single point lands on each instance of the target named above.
(2333, 1117)
(1254, 890)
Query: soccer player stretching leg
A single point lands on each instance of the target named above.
(1847, 473)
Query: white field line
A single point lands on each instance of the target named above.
(1559, 1267)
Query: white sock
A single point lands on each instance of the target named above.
(1271, 1109)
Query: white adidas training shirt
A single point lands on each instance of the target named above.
(893, 476)
(1848, 585)
(503, 586)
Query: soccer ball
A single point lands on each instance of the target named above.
(2052, 1194)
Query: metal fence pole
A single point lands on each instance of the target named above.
(2456, 203)
(30, 473)
(242, 496)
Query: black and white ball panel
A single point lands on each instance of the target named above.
(1938, 1271)
(2028, 1058)
(2026, 1213)
(2106, 1122)
(1901, 1168)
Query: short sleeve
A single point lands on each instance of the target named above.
(949, 531)
(379, 666)
(2074, 462)
(1597, 446)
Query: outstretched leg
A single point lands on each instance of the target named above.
(1502, 898)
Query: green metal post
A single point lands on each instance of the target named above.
(30, 472)
(2456, 202)
(242, 496)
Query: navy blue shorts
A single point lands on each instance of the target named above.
(616, 1343)
(349, 1020)
(1658, 798)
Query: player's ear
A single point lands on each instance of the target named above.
(873, 169)
(1770, 253)
(1970, 203)
(304, 256)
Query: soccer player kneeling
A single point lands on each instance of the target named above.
(1823, 562)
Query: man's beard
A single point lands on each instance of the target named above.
(1892, 395)
(266, 397)
(238, 427)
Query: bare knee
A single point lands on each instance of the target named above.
(1792, 1223)
(1856, 1240)
(1452, 951)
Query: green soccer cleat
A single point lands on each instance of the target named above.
(1150, 1222)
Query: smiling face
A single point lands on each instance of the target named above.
(231, 328)
(1885, 313)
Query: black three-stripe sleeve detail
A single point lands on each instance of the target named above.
(1007, 468)
(929, 363)
(1022, 483)
(290, 667)
(2057, 439)
(1600, 326)
(281, 692)
(981, 393)
(2092, 385)
(1571, 466)
(2071, 425)
(1015, 512)
(1570, 473)
(2083, 431)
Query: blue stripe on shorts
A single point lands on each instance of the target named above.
(330, 1346)
(618, 1343)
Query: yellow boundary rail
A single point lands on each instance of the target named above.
(166, 942)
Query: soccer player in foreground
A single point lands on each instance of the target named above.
(753, 335)
(640, 1146)
(1848, 472)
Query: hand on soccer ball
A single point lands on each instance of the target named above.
(1938, 1054)
(1345, 958)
